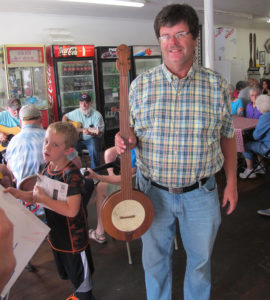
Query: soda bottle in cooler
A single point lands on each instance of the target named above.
(89, 69)
(73, 69)
(77, 69)
(68, 69)
(64, 69)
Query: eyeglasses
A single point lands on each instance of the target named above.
(178, 36)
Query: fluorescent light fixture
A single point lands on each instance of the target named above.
(111, 2)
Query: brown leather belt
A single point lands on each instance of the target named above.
(179, 190)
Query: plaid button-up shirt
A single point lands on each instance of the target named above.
(179, 123)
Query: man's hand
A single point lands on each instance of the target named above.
(64, 118)
(120, 144)
(3, 137)
(230, 197)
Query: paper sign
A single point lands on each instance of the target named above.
(29, 232)
(55, 189)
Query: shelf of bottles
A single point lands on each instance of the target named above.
(111, 95)
(75, 78)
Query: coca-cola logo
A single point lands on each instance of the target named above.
(72, 51)
(49, 85)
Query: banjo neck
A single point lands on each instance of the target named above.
(123, 66)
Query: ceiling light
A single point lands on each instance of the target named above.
(111, 2)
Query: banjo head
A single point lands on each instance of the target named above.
(127, 219)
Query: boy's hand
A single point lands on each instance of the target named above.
(14, 192)
(38, 194)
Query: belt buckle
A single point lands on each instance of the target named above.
(176, 190)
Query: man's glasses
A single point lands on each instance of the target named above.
(178, 36)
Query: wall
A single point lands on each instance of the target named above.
(51, 29)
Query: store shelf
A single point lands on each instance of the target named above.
(72, 76)
(76, 91)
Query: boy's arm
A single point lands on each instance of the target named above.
(69, 208)
(26, 196)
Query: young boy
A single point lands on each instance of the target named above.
(67, 219)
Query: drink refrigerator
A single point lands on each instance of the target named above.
(70, 72)
(23, 76)
(108, 78)
(144, 58)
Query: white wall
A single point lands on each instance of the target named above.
(51, 29)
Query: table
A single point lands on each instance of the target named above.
(242, 126)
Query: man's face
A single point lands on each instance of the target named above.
(178, 53)
(14, 112)
(85, 106)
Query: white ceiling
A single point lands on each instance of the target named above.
(240, 13)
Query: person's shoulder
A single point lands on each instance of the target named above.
(74, 111)
(71, 168)
(208, 73)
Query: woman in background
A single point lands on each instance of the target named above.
(252, 111)
(266, 87)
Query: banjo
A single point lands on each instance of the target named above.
(126, 214)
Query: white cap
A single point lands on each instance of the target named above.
(29, 111)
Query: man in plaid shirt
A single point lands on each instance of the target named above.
(181, 126)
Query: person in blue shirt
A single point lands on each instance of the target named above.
(261, 135)
(106, 186)
(236, 103)
(10, 117)
(92, 128)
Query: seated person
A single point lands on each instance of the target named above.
(106, 186)
(5, 176)
(10, 119)
(261, 135)
(252, 111)
(244, 92)
(92, 128)
(266, 87)
(236, 103)
(238, 87)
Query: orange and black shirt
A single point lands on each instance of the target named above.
(67, 234)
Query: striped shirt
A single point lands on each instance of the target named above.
(179, 123)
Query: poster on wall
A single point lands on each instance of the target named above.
(225, 43)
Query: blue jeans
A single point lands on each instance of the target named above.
(254, 147)
(93, 147)
(198, 213)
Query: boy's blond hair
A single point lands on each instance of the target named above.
(68, 131)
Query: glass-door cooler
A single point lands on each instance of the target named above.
(70, 73)
(144, 58)
(109, 83)
(75, 78)
(25, 69)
